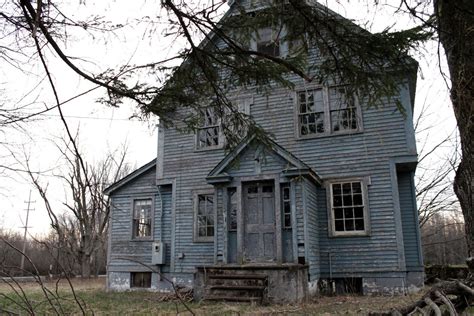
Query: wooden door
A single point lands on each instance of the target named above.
(259, 222)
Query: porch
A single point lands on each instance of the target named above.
(260, 283)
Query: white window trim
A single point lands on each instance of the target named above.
(327, 115)
(283, 45)
(220, 141)
(152, 210)
(365, 181)
(196, 237)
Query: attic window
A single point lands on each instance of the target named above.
(268, 42)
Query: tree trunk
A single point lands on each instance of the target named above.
(456, 34)
(86, 266)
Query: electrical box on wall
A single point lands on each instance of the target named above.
(158, 252)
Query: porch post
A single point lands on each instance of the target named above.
(240, 223)
(278, 226)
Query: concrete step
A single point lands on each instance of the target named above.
(238, 276)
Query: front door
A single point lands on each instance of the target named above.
(259, 221)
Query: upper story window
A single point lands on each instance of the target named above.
(142, 218)
(343, 110)
(268, 41)
(208, 135)
(204, 217)
(349, 210)
(327, 111)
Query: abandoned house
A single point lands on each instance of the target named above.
(329, 200)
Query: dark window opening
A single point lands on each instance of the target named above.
(232, 210)
(301, 260)
(142, 218)
(286, 206)
(341, 286)
(140, 279)
(205, 215)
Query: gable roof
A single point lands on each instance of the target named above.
(299, 167)
(130, 177)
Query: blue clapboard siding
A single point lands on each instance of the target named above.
(409, 219)
(385, 135)
(163, 202)
(312, 248)
(121, 244)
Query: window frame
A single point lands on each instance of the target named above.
(220, 135)
(133, 274)
(196, 194)
(152, 218)
(365, 183)
(328, 126)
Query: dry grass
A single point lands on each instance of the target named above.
(99, 302)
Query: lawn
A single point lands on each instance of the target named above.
(95, 300)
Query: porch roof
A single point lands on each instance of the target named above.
(299, 168)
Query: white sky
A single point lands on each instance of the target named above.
(103, 128)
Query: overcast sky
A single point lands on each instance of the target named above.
(103, 129)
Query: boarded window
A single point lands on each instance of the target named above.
(140, 279)
(348, 207)
(142, 215)
(208, 135)
(205, 217)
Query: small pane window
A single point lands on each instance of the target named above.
(142, 218)
(140, 279)
(286, 206)
(205, 221)
(348, 207)
(311, 112)
(208, 135)
(342, 110)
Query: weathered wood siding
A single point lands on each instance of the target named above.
(312, 229)
(122, 245)
(385, 134)
(409, 220)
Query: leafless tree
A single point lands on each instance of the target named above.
(82, 227)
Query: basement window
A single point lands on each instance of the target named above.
(140, 280)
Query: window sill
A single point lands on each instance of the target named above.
(349, 234)
(204, 240)
(205, 149)
(141, 239)
(316, 136)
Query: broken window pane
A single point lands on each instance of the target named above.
(142, 218)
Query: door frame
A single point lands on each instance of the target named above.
(237, 183)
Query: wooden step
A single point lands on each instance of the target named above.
(238, 276)
(238, 287)
(233, 298)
